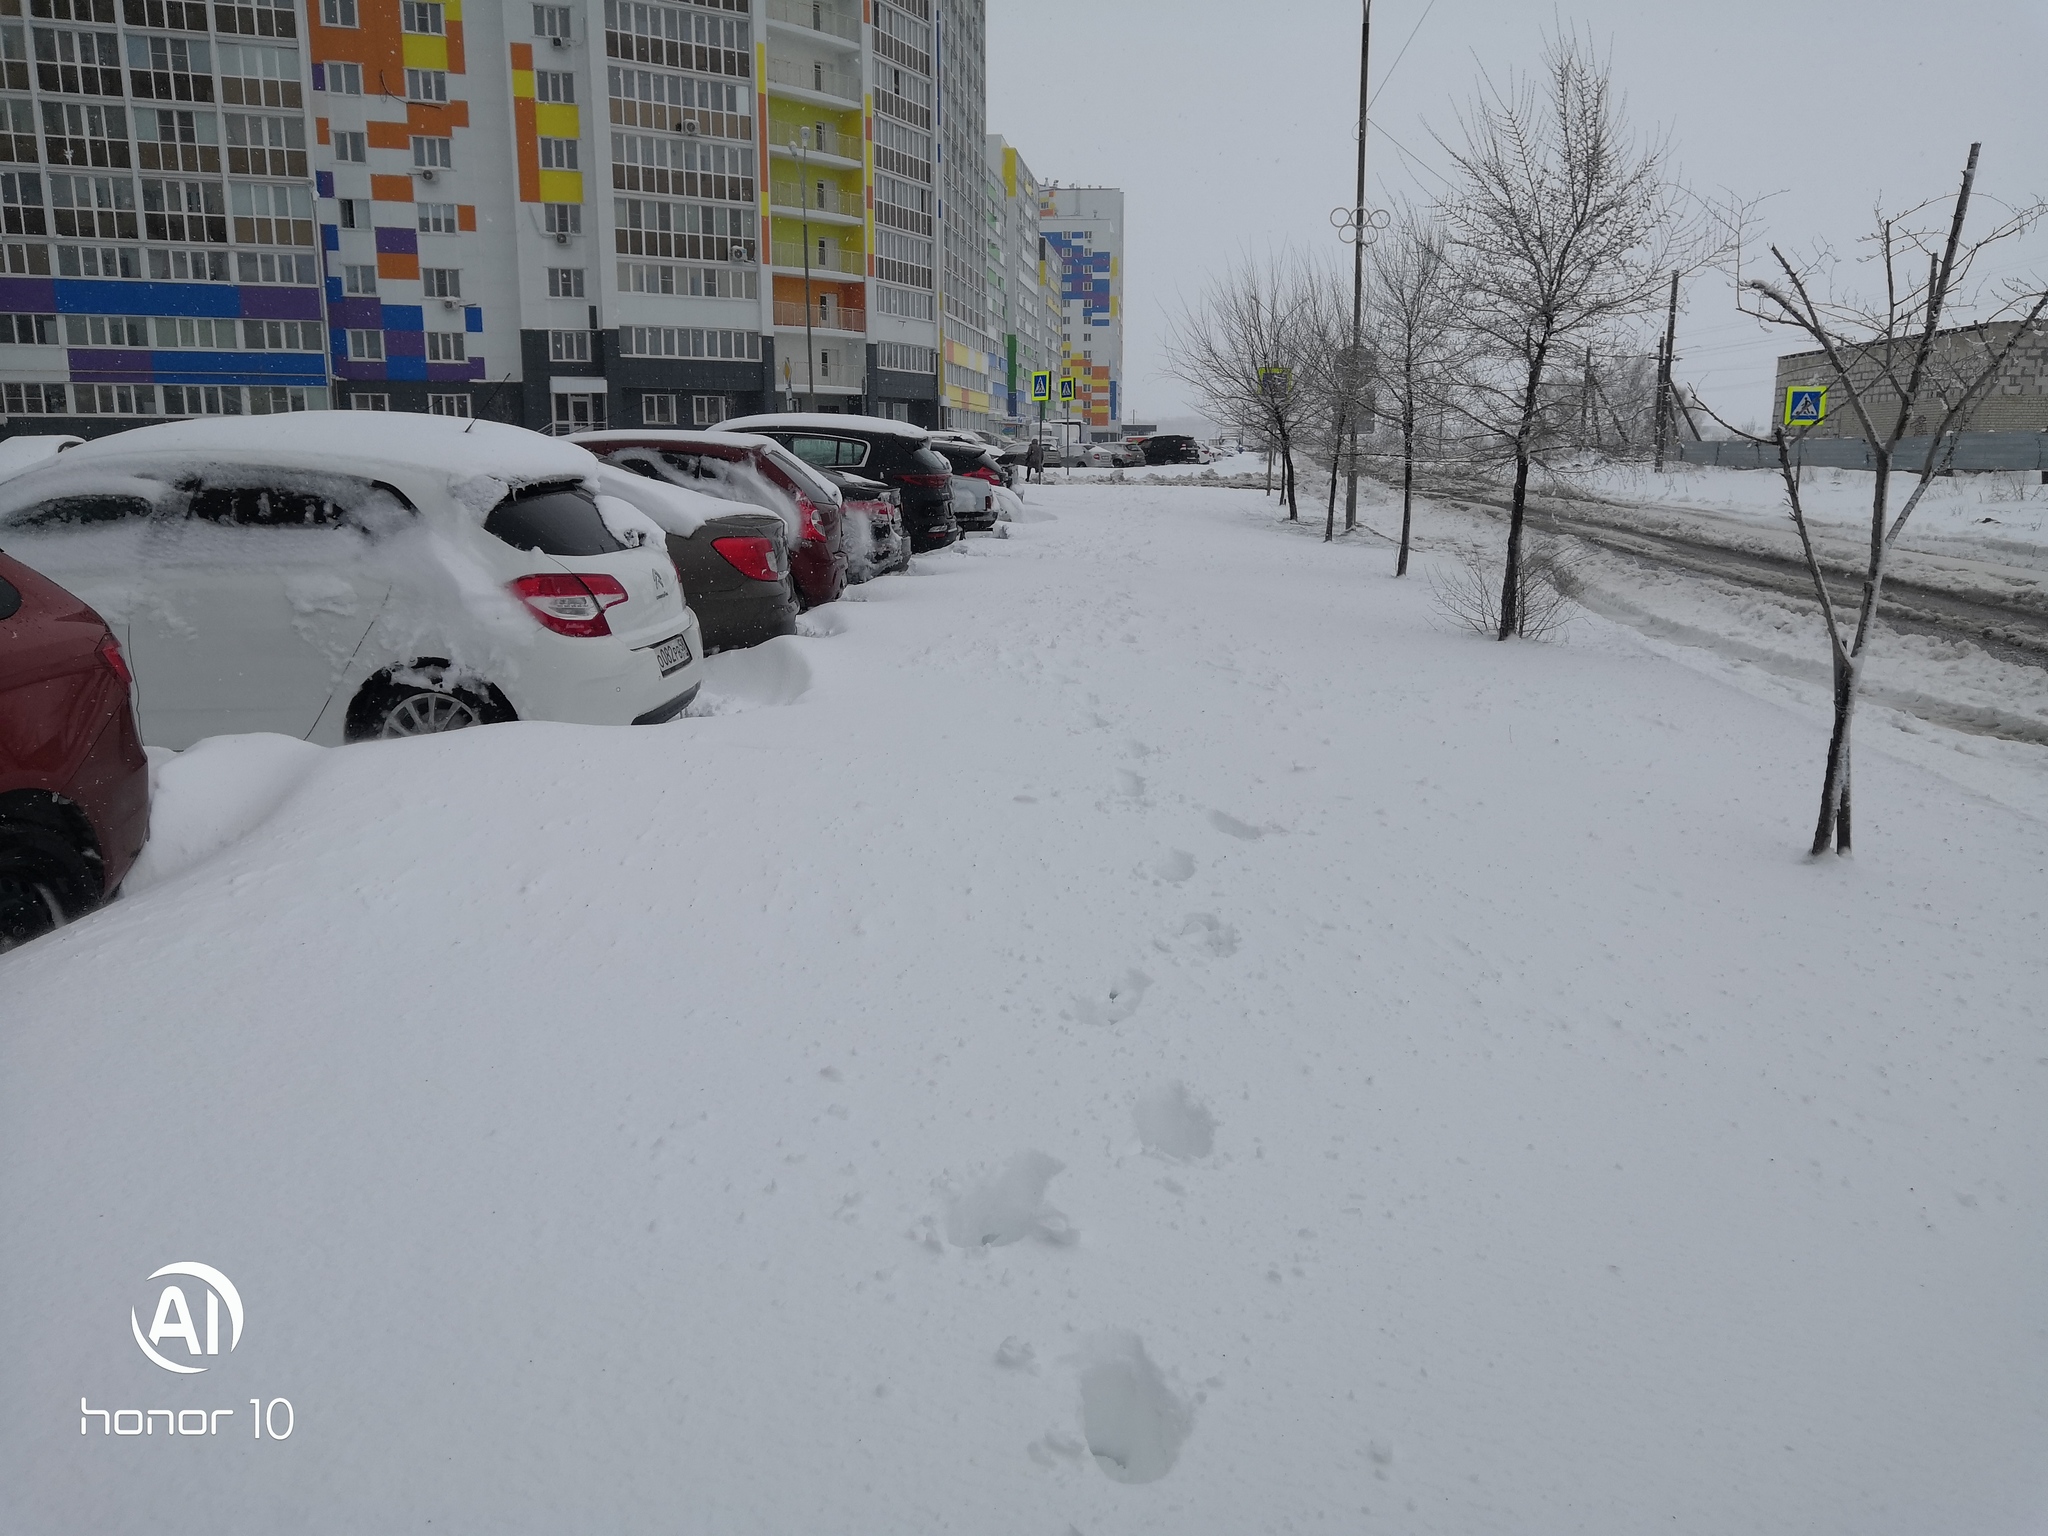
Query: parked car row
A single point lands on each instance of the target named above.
(344, 576)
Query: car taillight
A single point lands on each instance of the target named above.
(926, 481)
(110, 653)
(807, 519)
(570, 605)
(983, 472)
(752, 558)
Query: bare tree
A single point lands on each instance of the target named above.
(1900, 374)
(1415, 338)
(1564, 229)
(1248, 350)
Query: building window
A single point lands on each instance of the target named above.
(34, 400)
(558, 154)
(170, 68)
(359, 278)
(344, 79)
(75, 63)
(448, 405)
(185, 211)
(708, 410)
(102, 206)
(423, 17)
(568, 346)
(192, 267)
(431, 154)
(563, 218)
(277, 399)
(446, 347)
(189, 333)
(105, 261)
(352, 147)
(21, 203)
(85, 135)
(255, 75)
(338, 13)
(565, 282)
(575, 413)
(426, 85)
(273, 267)
(687, 341)
(554, 85)
(272, 213)
(355, 213)
(441, 282)
(658, 410)
(551, 21)
(202, 400)
(366, 346)
(436, 218)
(257, 18)
(362, 402)
(281, 335)
(29, 330)
(116, 399)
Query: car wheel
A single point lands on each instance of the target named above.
(44, 883)
(388, 710)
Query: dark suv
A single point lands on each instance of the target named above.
(893, 452)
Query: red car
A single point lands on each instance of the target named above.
(756, 471)
(74, 783)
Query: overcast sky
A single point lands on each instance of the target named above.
(1229, 125)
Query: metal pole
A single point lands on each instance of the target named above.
(801, 147)
(1352, 379)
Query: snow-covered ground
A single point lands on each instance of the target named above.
(1992, 509)
(1134, 1027)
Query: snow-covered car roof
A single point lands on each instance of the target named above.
(825, 421)
(25, 450)
(671, 437)
(355, 442)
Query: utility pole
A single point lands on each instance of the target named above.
(801, 148)
(1664, 374)
(1353, 373)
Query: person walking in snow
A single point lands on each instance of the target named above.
(1034, 461)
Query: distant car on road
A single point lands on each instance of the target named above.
(74, 782)
(1172, 448)
(341, 575)
(893, 452)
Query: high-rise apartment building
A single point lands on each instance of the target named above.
(966, 334)
(1023, 302)
(157, 247)
(1084, 235)
(565, 215)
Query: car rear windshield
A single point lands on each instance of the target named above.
(924, 461)
(554, 519)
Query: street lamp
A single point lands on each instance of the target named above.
(1358, 227)
(800, 146)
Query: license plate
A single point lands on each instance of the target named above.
(672, 655)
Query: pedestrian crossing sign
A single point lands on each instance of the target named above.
(1806, 407)
(1066, 389)
(1041, 386)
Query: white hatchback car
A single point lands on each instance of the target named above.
(340, 575)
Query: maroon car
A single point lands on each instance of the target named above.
(758, 472)
(74, 783)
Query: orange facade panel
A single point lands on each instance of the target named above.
(465, 217)
(391, 189)
(389, 135)
(525, 136)
(398, 264)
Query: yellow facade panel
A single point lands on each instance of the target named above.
(561, 186)
(556, 120)
(425, 52)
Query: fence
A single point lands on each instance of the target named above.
(1972, 451)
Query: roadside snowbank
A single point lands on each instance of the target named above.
(1159, 1036)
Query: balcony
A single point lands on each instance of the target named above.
(815, 16)
(790, 317)
(789, 256)
(819, 199)
(815, 78)
(824, 142)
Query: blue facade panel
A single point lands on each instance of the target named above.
(92, 296)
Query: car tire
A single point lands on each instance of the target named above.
(45, 882)
(388, 710)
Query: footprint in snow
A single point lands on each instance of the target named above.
(1133, 1420)
(1008, 1207)
(1174, 1124)
(1210, 934)
(1124, 995)
(1223, 822)
(1173, 866)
